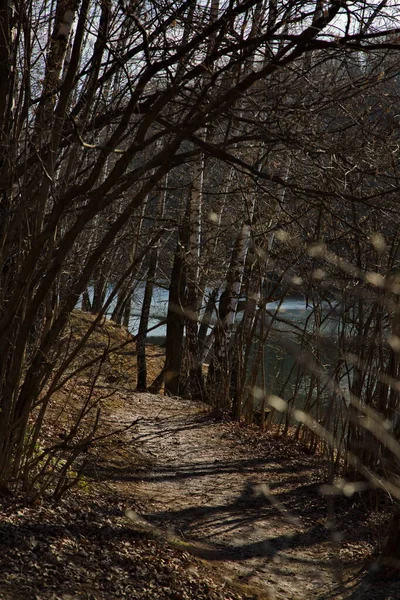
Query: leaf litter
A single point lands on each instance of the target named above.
(182, 505)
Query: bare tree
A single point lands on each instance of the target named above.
(99, 101)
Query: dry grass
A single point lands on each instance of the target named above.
(120, 360)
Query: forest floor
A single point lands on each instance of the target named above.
(181, 505)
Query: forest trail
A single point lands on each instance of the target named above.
(247, 503)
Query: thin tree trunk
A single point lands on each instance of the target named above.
(218, 381)
(86, 304)
(205, 322)
(195, 383)
(143, 325)
(127, 311)
(148, 295)
(175, 325)
(99, 292)
(126, 291)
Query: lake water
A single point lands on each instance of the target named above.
(158, 313)
(292, 310)
(280, 367)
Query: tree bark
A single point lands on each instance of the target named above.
(147, 298)
(175, 324)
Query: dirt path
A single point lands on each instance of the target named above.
(249, 505)
(246, 504)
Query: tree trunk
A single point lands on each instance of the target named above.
(99, 293)
(148, 295)
(218, 381)
(205, 322)
(175, 325)
(144, 323)
(86, 304)
(194, 383)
